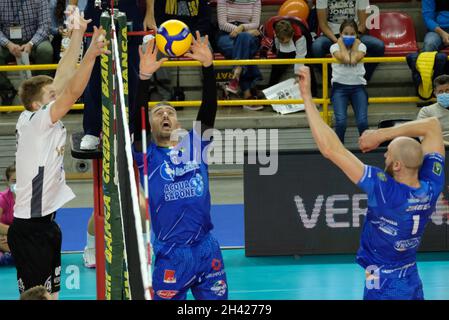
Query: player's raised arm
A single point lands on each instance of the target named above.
(67, 64)
(147, 67)
(79, 80)
(326, 139)
(429, 129)
(208, 110)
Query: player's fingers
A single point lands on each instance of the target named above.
(140, 52)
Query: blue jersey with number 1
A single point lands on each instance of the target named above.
(178, 184)
(397, 216)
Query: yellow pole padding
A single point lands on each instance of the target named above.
(326, 118)
(219, 63)
(197, 103)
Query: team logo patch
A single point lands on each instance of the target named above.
(437, 168)
(169, 276)
(167, 173)
(216, 264)
(166, 294)
(219, 288)
(382, 176)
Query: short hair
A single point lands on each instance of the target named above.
(349, 23)
(441, 80)
(9, 171)
(31, 89)
(35, 293)
(284, 29)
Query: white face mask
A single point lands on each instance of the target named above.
(13, 188)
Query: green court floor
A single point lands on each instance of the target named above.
(321, 277)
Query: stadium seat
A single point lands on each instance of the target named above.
(397, 31)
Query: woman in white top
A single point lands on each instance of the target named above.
(348, 81)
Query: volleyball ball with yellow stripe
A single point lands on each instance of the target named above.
(173, 38)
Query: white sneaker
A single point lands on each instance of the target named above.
(89, 257)
(89, 142)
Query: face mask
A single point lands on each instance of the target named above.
(443, 99)
(13, 188)
(348, 40)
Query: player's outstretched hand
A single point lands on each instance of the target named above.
(148, 59)
(304, 82)
(75, 20)
(200, 50)
(369, 140)
(99, 44)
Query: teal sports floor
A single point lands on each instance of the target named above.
(323, 277)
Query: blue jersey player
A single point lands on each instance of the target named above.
(186, 255)
(401, 199)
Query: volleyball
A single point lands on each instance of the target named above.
(173, 38)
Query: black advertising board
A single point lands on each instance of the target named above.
(310, 207)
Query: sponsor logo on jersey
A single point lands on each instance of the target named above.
(219, 288)
(437, 168)
(169, 276)
(166, 294)
(382, 176)
(386, 228)
(215, 274)
(216, 264)
(167, 173)
(403, 245)
(193, 187)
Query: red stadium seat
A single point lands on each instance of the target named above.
(397, 31)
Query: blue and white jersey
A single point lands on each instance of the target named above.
(397, 216)
(178, 184)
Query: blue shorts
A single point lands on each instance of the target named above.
(198, 267)
(405, 288)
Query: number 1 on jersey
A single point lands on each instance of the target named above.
(415, 223)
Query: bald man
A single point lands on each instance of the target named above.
(401, 198)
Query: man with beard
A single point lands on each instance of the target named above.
(187, 256)
(400, 200)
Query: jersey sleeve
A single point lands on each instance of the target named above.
(41, 119)
(432, 170)
(379, 186)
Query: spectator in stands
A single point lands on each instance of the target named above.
(36, 293)
(136, 15)
(57, 9)
(288, 45)
(238, 21)
(440, 109)
(24, 28)
(348, 82)
(7, 201)
(436, 18)
(331, 13)
(197, 15)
